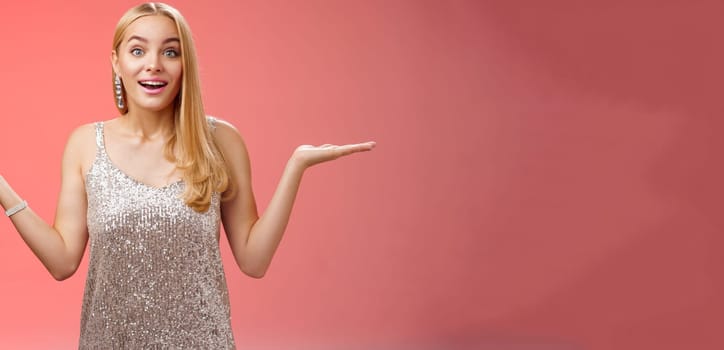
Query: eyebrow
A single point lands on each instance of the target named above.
(136, 37)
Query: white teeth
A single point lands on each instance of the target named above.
(153, 83)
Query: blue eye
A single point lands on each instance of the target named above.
(136, 52)
(171, 53)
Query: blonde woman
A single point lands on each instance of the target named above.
(150, 189)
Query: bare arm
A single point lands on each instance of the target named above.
(254, 239)
(59, 247)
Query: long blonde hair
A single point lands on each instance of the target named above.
(199, 158)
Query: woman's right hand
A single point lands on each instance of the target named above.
(59, 247)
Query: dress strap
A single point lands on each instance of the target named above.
(212, 122)
(99, 136)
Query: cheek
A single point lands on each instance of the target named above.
(129, 69)
(177, 74)
(176, 71)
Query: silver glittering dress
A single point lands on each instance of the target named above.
(155, 278)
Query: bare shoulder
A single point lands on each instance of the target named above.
(82, 137)
(83, 131)
(223, 126)
(228, 137)
(81, 147)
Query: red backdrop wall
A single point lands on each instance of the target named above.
(548, 174)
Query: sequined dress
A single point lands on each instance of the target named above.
(155, 278)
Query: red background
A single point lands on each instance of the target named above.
(548, 173)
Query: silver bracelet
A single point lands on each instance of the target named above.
(10, 212)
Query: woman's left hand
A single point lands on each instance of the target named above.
(308, 155)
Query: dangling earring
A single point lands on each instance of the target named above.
(119, 92)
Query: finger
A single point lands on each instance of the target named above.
(365, 146)
(370, 144)
(354, 148)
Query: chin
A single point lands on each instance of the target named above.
(155, 107)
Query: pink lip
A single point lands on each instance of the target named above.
(154, 91)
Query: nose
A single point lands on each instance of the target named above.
(153, 64)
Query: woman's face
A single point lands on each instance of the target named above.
(148, 61)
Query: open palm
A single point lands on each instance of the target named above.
(309, 155)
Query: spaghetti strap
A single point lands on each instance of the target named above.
(99, 136)
(212, 122)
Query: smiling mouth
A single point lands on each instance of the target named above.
(152, 85)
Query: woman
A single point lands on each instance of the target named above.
(149, 189)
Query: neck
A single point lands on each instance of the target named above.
(149, 125)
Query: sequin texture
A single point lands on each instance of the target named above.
(155, 278)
